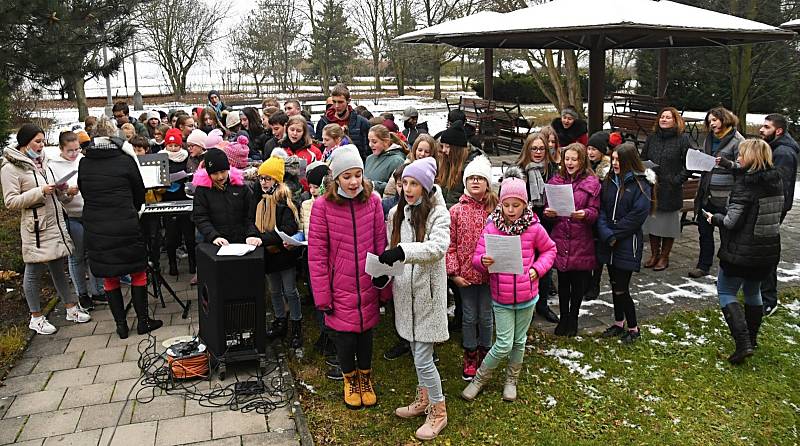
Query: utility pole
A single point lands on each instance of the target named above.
(137, 95)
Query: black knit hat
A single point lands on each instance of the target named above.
(26, 134)
(599, 140)
(315, 173)
(216, 160)
(455, 135)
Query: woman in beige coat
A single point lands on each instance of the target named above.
(29, 186)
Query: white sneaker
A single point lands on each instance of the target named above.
(41, 325)
(78, 314)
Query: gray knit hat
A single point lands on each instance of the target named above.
(569, 110)
(344, 158)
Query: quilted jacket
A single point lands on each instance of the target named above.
(467, 220)
(573, 238)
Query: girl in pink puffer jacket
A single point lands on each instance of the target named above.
(575, 260)
(514, 295)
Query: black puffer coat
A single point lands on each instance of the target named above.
(276, 257)
(577, 132)
(667, 149)
(750, 239)
(223, 213)
(113, 193)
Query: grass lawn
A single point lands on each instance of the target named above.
(673, 387)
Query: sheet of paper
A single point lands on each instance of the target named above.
(506, 250)
(699, 161)
(66, 178)
(177, 176)
(559, 198)
(289, 240)
(376, 269)
(151, 176)
(235, 249)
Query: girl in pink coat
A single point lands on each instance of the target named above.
(572, 234)
(347, 223)
(514, 295)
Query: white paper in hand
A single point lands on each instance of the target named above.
(66, 178)
(506, 251)
(560, 199)
(235, 249)
(289, 240)
(375, 268)
(699, 161)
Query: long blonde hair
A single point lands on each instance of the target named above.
(451, 166)
(432, 143)
(283, 193)
(525, 156)
(756, 154)
(383, 133)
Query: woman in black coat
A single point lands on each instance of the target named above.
(666, 148)
(750, 241)
(113, 193)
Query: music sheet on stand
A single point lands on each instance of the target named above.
(506, 251)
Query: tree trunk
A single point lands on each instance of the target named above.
(325, 80)
(400, 79)
(741, 77)
(376, 62)
(437, 75)
(555, 79)
(80, 98)
(573, 81)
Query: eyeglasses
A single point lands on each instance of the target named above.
(264, 179)
(475, 179)
(538, 149)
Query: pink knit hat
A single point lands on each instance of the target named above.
(513, 188)
(237, 152)
(214, 139)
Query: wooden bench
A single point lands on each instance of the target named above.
(635, 115)
(689, 193)
(498, 125)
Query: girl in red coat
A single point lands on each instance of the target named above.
(298, 141)
(347, 223)
(514, 295)
(572, 234)
(467, 220)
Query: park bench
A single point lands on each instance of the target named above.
(689, 193)
(635, 116)
(499, 125)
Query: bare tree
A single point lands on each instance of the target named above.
(370, 27)
(179, 33)
(433, 13)
(398, 18)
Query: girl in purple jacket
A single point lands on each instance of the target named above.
(514, 296)
(346, 224)
(572, 234)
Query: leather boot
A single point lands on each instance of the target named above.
(352, 390)
(144, 324)
(655, 251)
(735, 318)
(663, 259)
(117, 307)
(278, 328)
(574, 312)
(368, 397)
(416, 408)
(297, 334)
(434, 422)
(482, 376)
(753, 315)
(510, 387)
(542, 309)
(593, 292)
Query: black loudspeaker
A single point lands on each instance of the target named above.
(231, 304)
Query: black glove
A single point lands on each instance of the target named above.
(392, 255)
(328, 311)
(380, 282)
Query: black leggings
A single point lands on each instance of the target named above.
(151, 227)
(174, 228)
(624, 308)
(352, 346)
(572, 286)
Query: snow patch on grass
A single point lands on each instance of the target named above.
(568, 358)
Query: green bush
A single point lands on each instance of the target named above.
(10, 242)
(523, 88)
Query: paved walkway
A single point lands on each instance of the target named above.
(74, 387)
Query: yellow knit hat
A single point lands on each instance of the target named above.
(273, 168)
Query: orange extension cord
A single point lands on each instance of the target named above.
(195, 366)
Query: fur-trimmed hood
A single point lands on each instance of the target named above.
(513, 172)
(201, 178)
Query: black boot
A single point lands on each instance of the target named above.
(278, 328)
(543, 310)
(574, 313)
(594, 285)
(734, 316)
(297, 334)
(117, 307)
(172, 257)
(139, 298)
(753, 315)
(86, 302)
(192, 260)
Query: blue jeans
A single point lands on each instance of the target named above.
(477, 323)
(728, 288)
(706, 232)
(79, 262)
(427, 373)
(282, 286)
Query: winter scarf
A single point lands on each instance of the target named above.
(176, 157)
(332, 117)
(294, 146)
(535, 183)
(513, 228)
(265, 212)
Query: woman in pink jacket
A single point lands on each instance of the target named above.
(347, 223)
(514, 295)
(572, 234)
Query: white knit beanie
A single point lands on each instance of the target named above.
(481, 167)
(344, 158)
(197, 137)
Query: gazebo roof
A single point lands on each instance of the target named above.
(793, 25)
(599, 24)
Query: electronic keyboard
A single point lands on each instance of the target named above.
(169, 207)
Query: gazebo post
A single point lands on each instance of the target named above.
(488, 74)
(597, 76)
(663, 61)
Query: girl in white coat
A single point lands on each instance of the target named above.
(419, 235)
